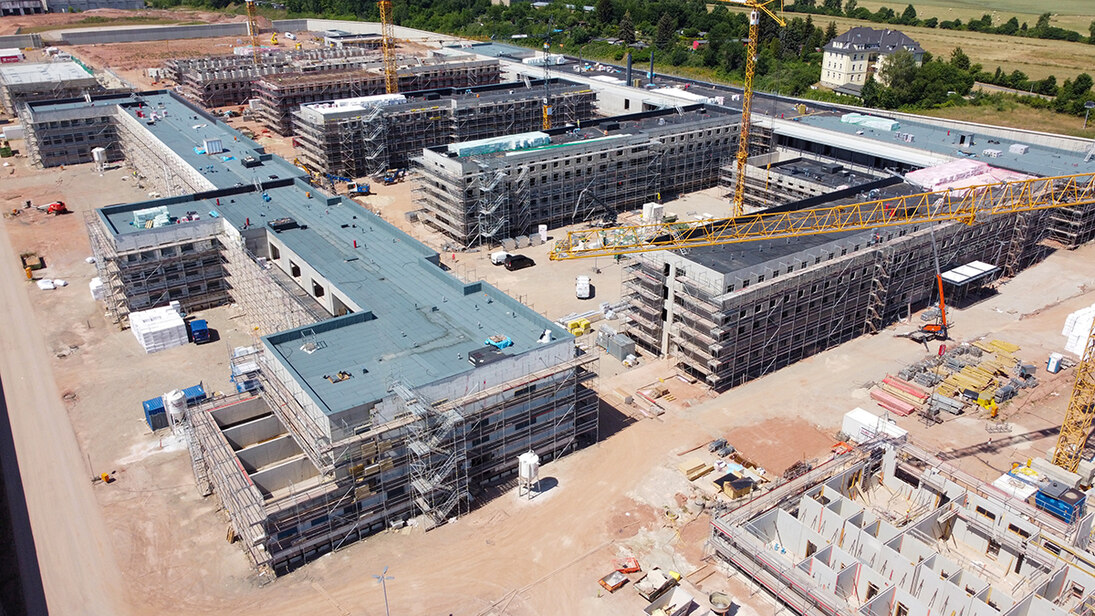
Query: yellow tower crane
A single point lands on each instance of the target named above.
(253, 30)
(387, 46)
(969, 206)
(756, 8)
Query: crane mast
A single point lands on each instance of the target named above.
(387, 47)
(757, 7)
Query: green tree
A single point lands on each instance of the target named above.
(834, 7)
(871, 93)
(830, 31)
(908, 17)
(850, 7)
(627, 29)
(898, 69)
(1043, 21)
(1010, 27)
(959, 59)
(667, 32)
(604, 12)
(1091, 35)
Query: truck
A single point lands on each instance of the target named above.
(357, 188)
(199, 331)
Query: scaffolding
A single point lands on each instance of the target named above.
(728, 325)
(606, 167)
(282, 94)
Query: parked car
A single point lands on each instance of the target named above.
(581, 287)
(290, 36)
(516, 262)
(499, 258)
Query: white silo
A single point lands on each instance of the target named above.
(174, 402)
(528, 473)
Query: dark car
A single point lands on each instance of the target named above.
(516, 262)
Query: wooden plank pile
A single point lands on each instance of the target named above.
(899, 396)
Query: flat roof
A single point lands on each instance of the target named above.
(417, 322)
(1038, 160)
(834, 174)
(731, 258)
(648, 124)
(471, 95)
(27, 73)
(184, 130)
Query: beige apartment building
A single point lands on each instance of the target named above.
(851, 58)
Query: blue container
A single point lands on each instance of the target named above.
(154, 414)
(1061, 501)
(194, 394)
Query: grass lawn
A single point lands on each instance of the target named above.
(1018, 116)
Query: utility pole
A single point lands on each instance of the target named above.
(383, 579)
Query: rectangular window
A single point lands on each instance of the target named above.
(985, 512)
(294, 269)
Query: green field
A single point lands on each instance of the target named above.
(1070, 14)
(1017, 116)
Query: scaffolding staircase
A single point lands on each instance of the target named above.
(491, 205)
(1017, 246)
(876, 298)
(373, 142)
(438, 473)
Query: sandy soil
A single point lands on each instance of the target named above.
(148, 544)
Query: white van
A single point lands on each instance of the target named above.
(581, 287)
(499, 258)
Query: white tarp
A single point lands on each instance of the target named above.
(500, 144)
(867, 121)
(861, 426)
(1076, 329)
(1014, 487)
(967, 272)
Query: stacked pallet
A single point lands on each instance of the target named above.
(892, 403)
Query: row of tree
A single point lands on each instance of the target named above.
(938, 82)
(850, 8)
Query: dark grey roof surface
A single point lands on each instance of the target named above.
(884, 41)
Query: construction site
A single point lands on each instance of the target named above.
(278, 96)
(481, 192)
(358, 137)
(606, 337)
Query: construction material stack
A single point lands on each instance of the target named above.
(158, 329)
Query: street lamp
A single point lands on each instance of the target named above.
(383, 578)
(1089, 105)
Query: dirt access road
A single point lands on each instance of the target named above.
(79, 572)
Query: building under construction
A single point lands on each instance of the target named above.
(891, 529)
(484, 191)
(216, 81)
(25, 82)
(364, 136)
(391, 393)
(280, 95)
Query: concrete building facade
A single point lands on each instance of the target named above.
(390, 390)
(365, 136)
(480, 193)
(37, 81)
(280, 95)
(828, 543)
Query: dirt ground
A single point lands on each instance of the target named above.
(13, 23)
(148, 544)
